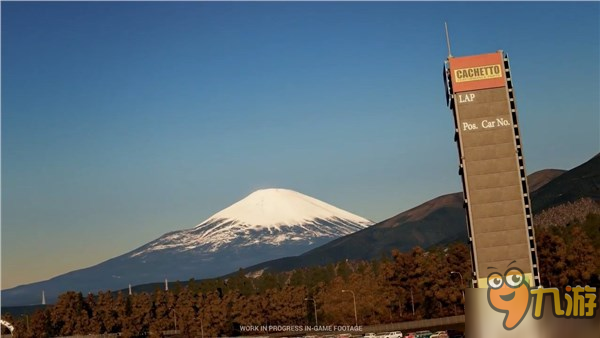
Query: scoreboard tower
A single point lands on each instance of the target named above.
(479, 91)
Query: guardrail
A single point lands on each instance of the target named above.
(414, 325)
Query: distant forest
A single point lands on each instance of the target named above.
(568, 242)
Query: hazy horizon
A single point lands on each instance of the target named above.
(122, 121)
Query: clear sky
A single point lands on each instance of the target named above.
(123, 121)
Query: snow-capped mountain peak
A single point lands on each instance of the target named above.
(266, 217)
(276, 207)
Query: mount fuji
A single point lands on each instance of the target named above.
(272, 219)
(267, 224)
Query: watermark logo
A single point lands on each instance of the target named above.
(579, 302)
(511, 294)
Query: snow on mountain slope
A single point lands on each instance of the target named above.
(265, 217)
(273, 207)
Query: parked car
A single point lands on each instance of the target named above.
(440, 334)
(393, 334)
(423, 334)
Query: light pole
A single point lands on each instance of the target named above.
(27, 321)
(202, 326)
(315, 305)
(354, 299)
(462, 282)
(412, 300)
(175, 319)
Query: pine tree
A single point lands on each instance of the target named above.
(137, 322)
(41, 324)
(69, 315)
(105, 313)
(581, 259)
(186, 311)
(552, 252)
(161, 313)
(95, 324)
(213, 314)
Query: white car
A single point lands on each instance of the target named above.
(393, 334)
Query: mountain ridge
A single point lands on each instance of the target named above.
(212, 248)
(438, 221)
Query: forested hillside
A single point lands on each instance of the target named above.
(568, 241)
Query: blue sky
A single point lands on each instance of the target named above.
(125, 120)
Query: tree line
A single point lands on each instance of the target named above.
(411, 285)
